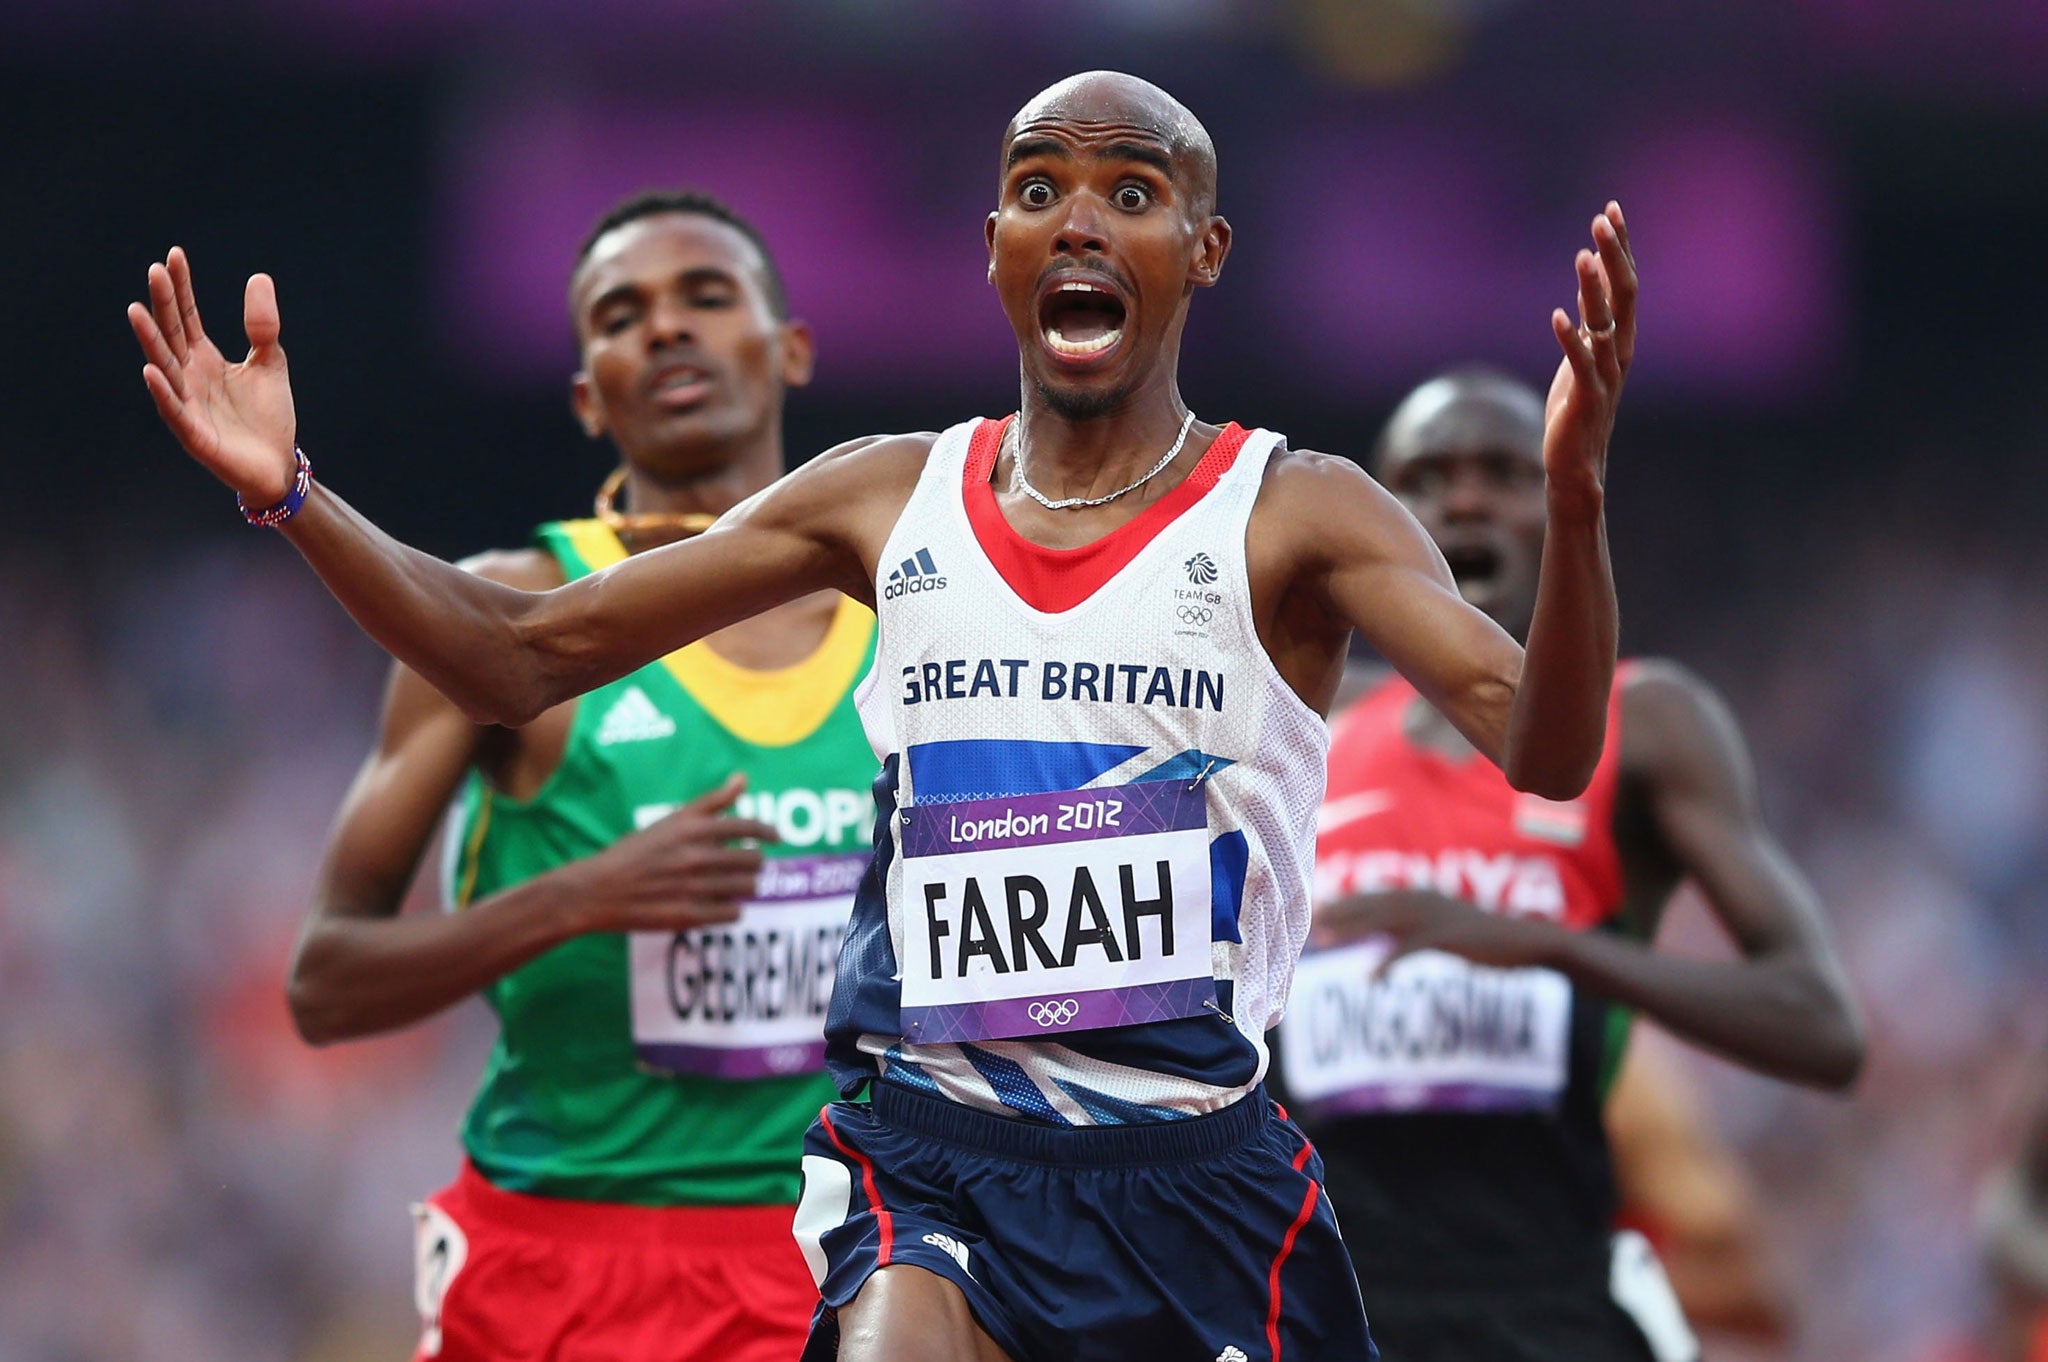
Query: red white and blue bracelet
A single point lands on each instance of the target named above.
(284, 510)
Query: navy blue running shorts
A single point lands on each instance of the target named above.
(1203, 1240)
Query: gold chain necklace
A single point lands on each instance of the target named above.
(627, 524)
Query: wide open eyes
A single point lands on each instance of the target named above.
(1131, 196)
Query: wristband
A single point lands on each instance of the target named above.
(284, 510)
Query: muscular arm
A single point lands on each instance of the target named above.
(502, 654)
(1367, 564)
(1538, 713)
(361, 968)
(1784, 1007)
(1557, 722)
(1556, 725)
(505, 655)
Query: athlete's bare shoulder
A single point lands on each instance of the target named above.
(1662, 692)
(1675, 725)
(1304, 468)
(1321, 521)
(915, 445)
(1328, 506)
(846, 500)
(1305, 474)
(845, 477)
(888, 458)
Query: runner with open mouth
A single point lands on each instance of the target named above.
(1473, 566)
(679, 386)
(1080, 319)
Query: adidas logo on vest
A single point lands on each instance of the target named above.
(633, 718)
(916, 573)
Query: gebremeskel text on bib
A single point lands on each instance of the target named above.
(747, 998)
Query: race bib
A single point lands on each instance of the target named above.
(1436, 1033)
(1055, 912)
(746, 999)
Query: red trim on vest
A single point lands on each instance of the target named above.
(1054, 580)
(1308, 1208)
(884, 1222)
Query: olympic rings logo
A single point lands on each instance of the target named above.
(1057, 1012)
(1195, 614)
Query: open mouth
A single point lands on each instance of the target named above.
(680, 385)
(1473, 565)
(1080, 320)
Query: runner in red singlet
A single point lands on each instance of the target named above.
(1450, 1051)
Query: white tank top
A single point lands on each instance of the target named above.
(1095, 819)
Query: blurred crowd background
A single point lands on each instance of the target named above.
(1827, 498)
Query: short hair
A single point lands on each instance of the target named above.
(1463, 379)
(650, 203)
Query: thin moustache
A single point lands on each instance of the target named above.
(1066, 270)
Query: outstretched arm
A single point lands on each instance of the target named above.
(361, 968)
(1538, 713)
(1782, 1009)
(1559, 716)
(502, 654)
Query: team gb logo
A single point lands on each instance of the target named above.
(1201, 569)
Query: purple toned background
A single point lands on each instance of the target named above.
(1827, 498)
(1398, 244)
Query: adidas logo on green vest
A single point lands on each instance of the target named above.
(633, 718)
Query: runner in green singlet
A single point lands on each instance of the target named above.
(632, 1154)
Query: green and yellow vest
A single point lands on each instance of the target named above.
(663, 1069)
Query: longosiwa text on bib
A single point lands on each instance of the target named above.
(1096, 813)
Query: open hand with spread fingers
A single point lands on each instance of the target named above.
(1579, 413)
(236, 419)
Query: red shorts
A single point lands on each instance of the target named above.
(502, 1276)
